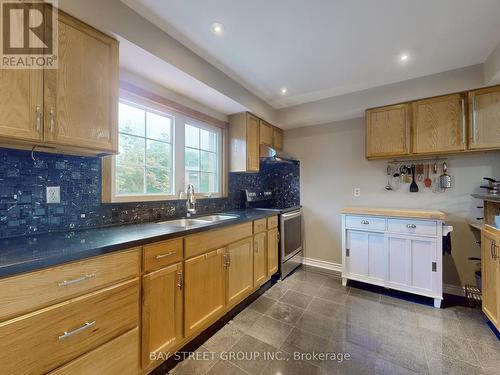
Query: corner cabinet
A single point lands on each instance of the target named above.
(484, 109)
(400, 253)
(388, 131)
(73, 108)
(490, 271)
(244, 136)
(439, 125)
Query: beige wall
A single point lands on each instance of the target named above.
(333, 164)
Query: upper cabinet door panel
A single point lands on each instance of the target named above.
(387, 131)
(21, 104)
(278, 139)
(81, 96)
(439, 125)
(266, 133)
(252, 143)
(484, 118)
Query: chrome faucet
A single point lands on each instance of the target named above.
(191, 201)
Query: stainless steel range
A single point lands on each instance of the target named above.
(291, 226)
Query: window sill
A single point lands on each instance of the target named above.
(160, 198)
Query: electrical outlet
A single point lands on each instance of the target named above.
(357, 192)
(53, 194)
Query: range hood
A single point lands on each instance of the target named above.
(267, 152)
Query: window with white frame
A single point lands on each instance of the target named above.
(161, 151)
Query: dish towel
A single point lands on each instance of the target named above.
(447, 244)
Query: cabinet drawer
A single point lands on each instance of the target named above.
(44, 340)
(259, 225)
(31, 291)
(119, 356)
(365, 222)
(272, 222)
(409, 226)
(161, 254)
(202, 242)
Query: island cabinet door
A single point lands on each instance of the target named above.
(204, 290)
(413, 264)
(238, 263)
(366, 255)
(161, 311)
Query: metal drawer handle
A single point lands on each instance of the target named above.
(38, 119)
(79, 280)
(180, 283)
(161, 256)
(411, 226)
(365, 222)
(86, 326)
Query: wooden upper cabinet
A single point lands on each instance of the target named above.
(387, 131)
(21, 104)
(244, 136)
(484, 119)
(439, 125)
(239, 279)
(161, 311)
(490, 271)
(277, 139)
(204, 290)
(266, 133)
(81, 96)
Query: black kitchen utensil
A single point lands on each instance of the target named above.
(413, 185)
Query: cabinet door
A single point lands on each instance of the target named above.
(259, 259)
(366, 255)
(204, 297)
(490, 275)
(484, 131)
(272, 251)
(239, 279)
(277, 139)
(81, 96)
(252, 143)
(161, 311)
(439, 125)
(21, 104)
(266, 133)
(387, 131)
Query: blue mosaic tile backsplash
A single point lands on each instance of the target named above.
(24, 211)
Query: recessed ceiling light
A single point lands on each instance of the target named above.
(217, 28)
(284, 90)
(404, 57)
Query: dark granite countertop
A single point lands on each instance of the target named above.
(24, 254)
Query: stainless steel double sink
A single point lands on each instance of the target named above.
(197, 222)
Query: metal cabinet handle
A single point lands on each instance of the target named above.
(161, 256)
(180, 282)
(67, 335)
(228, 259)
(38, 119)
(78, 280)
(411, 226)
(474, 124)
(463, 120)
(365, 222)
(52, 120)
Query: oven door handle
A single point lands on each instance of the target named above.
(292, 214)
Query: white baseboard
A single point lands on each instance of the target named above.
(456, 290)
(336, 267)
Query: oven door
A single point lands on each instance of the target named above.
(291, 234)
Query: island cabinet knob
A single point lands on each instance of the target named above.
(365, 222)
(411, 226)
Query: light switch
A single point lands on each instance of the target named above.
(53, 194)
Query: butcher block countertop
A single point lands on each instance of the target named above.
(395, 212)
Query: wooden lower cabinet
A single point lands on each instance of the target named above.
(239, 277)
(204, 290)
(117, 357)
(46, 339)
(272, 251)
(490, 251)
(161, 311)
(259, 259)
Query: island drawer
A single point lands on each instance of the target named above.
(365, 222)
(272, 222)
(31, 291)
(46, 339)
(411, 226)
(259, 225)
(161, 254)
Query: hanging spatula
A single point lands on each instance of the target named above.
(428, 181)
(413, 185)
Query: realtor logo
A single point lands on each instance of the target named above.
(29, 34)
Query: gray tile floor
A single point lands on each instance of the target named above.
(312, 313)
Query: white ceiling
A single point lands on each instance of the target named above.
(146, 65)
(323, 48)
